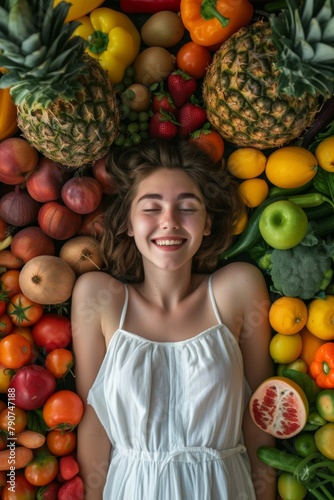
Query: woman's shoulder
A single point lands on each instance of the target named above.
(99, 283)
(244, 270)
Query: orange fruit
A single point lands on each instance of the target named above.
(324, 153)
(291, 167)
(254, 191)
(288, 315)
(246, 163)
(320, 319)
(285, 348)
(279, 407)
(311, 343)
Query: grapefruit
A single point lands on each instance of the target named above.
(279, 407)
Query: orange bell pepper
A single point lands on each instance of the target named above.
(212, 22)
(322, 367)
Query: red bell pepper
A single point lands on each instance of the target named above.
(149, 6)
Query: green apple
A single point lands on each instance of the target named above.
(283, 224)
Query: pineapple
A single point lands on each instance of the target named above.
(266, 82)
(67, 106)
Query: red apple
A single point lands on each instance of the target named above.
(17, 160)
(46, 181)
(30, 242)
(92, 224)
(58, 221)
(82, 194)
(100, 173)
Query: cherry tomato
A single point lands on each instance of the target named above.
(61, 443)
(41, 471)
(59, 362)
(15, 351)
(6, 324)
(20, 490)
(10, 282)
(26, 331)
(63, 410)
(193, 59)
(211, 142)
(5, 378)
(52, 331)
(23, 311)
(13, 418)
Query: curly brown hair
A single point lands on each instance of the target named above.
(129, 166)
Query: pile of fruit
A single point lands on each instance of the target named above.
(254, 88)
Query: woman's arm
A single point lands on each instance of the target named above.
(93, 449)
(254, 340)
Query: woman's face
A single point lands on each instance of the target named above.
(168, 218)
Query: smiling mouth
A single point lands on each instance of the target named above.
(164, 243)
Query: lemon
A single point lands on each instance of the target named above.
(320, 319)
(324, 153)
(291, 167)
(253, 191)
(285, 348)
(246, 163)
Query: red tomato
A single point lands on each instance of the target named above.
(193, 59)
(61, 443)
(20, 490)
(6, 324)
(211, 142)
(59, 362)
(33, 385)
(63, 410)
(26, 331)
(10, 282)
(41, 471)
(13, 418)
(52, 331)
(23, 311)
(15, 351)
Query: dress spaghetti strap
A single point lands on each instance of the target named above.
(125, 306)
(213, 301)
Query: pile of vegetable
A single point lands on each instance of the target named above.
(114, 73)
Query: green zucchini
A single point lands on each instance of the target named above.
(319, 212)
(277, 191)
(325, 226)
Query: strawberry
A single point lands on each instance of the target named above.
(162, 100)
(48, 492)
(181, 87)
(163, 124)
(72, 489)
(191, 117)
(68, 467)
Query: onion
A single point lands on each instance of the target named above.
(82, 254)
(47, 279)
(18, 208)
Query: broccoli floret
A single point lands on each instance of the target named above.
(301, 271)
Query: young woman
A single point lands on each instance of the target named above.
(168, 347)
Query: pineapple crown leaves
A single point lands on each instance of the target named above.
(41, 58)
(304, 39)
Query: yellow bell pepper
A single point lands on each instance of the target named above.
(112, 38)
(79, 8)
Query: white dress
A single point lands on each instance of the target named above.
(173, 413)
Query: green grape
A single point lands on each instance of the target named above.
(135, 139)
(120, 140)
(133, 127)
